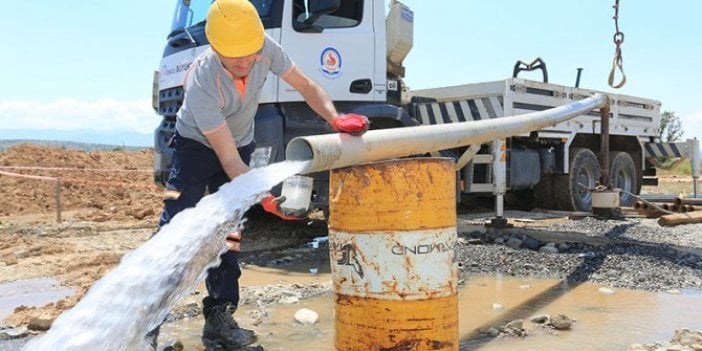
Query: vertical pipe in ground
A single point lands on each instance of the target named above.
(57, 195)
(393, 240)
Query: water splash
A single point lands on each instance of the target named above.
(137, 295)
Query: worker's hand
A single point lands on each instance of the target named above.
(351, 123)
(271, 204)
(233, 241)
(235, 167)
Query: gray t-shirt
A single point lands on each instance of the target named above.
(211, 95)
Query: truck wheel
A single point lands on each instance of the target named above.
(543, 193)
(520, 200)
(623, 175)
(571, 190)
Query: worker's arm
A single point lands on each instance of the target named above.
(321, 103)
(313, 93)
(224, 147)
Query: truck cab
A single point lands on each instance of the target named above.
(339, 44)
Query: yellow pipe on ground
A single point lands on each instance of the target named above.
(393, 239)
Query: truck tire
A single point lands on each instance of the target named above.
(520, 200)
(623, 175)
(571, 190)
(544, 194)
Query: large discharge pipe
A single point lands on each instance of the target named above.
(331, 151)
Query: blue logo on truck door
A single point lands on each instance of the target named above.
(330, 62)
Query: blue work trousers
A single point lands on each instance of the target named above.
(195, 169)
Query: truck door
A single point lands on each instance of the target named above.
(337, 52)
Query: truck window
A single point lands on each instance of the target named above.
(190, 13)
(349, 14)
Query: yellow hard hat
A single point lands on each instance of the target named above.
(233, 28)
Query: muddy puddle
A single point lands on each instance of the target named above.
(30, 292)
(605, 319)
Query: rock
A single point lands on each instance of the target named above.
(606, 291)
(515, 324)
(41, 323)
(675, 348)
(143, 213)
(22, 253)
(289, 300)
(13, 333)
(560, 322)
(674, 291)
(540, 319)
(306, 316)
(497, 307)
(492, 332)
(687, 338)
(176, 345)
(548, 250)
(514, 243)
(289, 297)
(532, 243)
(100, 217)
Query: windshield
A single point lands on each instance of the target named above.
(194, 12)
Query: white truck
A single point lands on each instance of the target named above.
(355, 52)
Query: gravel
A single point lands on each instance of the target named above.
(632, 253)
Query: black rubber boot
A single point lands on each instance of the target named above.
(222, 333)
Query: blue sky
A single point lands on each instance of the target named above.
(80, 64)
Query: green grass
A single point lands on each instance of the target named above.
(680, 168)
(674, 181)
(683, 168)
(683, 188)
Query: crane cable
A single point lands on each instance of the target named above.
(618, 40)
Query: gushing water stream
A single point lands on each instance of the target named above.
(137, 295)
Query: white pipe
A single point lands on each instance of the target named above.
(330, 151)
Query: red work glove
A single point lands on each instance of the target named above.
(271, 204)
(351, 123)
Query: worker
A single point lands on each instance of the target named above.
(215, 138)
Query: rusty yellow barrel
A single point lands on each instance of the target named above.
(392, 235)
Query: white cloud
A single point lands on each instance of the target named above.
(69, 114)
(692, 125)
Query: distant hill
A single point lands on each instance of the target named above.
(79, 139)
(5, 144)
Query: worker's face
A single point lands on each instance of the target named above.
(239, 67)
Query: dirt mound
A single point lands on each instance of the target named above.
(97, 185)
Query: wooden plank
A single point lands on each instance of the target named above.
(681, 218)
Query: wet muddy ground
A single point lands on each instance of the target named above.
(628, 281)
(622, 281)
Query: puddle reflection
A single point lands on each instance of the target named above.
(30, 292)
(603, 321)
